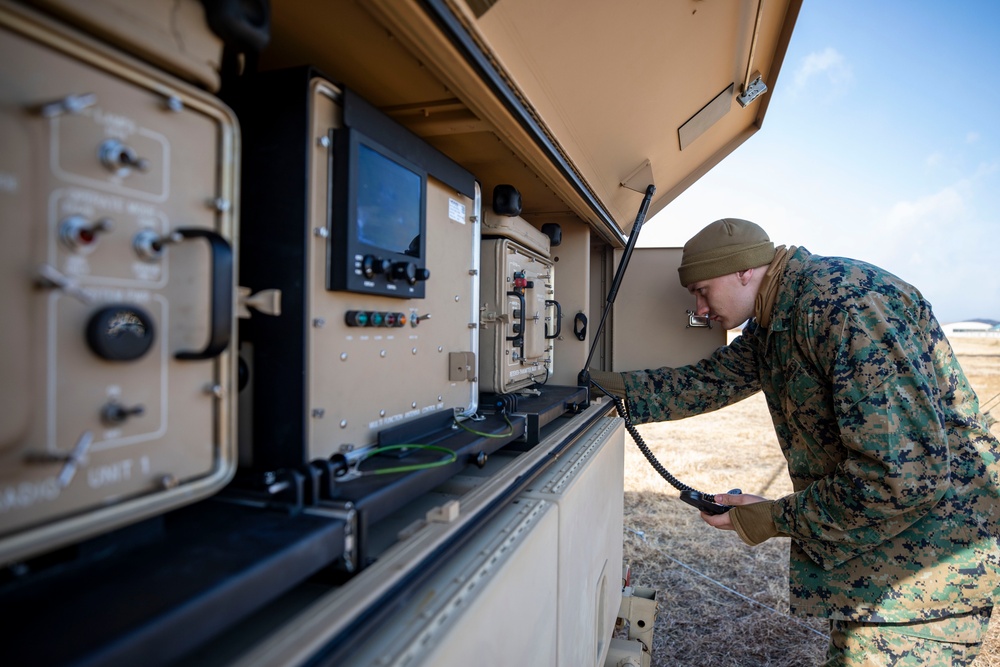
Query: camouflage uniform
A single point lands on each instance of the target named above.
(895, 474)
(953, 641)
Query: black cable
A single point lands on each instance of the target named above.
(644, 448)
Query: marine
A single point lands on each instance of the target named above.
(895, 474)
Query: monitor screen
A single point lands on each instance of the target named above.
(378, 218)
(389, 203)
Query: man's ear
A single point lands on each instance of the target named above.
(745, 276)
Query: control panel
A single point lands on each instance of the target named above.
(117, 280)
(372, 237)
(520, 316)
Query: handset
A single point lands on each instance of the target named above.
(704, 502)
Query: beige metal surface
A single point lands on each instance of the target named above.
(362, 380)
(169, 33)
(494, 605)
(571, 259)
(504, 365)
(587, 487)
(614, 81)
(610, 83)
(649, 324)
(70, 466)
(294, 642)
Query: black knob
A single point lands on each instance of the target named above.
(120, 333)
(423, 274)
(370, 265)
(242, 374)
(405, 271)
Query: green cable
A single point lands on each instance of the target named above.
(452, 456)
(416, 466)
(509, 433)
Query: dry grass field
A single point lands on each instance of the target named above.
(721, 603)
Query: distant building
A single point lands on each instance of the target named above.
(988, 328)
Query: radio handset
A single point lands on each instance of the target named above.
(705, 502)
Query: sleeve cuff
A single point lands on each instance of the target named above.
(613, 382)
(753, 523)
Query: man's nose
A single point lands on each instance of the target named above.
(700, 305)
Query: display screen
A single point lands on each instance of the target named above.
(389, 203)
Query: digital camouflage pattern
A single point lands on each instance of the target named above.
(895, 474)
(951, 641)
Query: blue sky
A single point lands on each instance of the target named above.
(882, 143)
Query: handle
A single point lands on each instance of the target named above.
(550, 302)
(520, 298)
(221, 319)
(580, 326)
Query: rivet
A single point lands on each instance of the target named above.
(321, 232)
(343, 356)
(381, 353)
(343, 423)
(220, 204)
(414, 350)
(324, 141)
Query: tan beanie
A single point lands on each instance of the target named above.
(725, 246)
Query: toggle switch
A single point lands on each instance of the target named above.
(114, 413)
(79, 234)
(150, 246)
(120, 159)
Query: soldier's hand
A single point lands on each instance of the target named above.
(723, 521)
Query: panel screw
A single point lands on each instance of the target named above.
(174, 103)
(220, 204)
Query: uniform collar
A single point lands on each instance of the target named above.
(784, 299)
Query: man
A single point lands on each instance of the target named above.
(893, 518)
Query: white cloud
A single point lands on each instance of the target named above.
(938, 243)
(828, 64)
(987, 169)
(946, 204)
(934, 159)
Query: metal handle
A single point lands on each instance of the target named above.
(221, 318)
(520, 299)
(550, 302)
